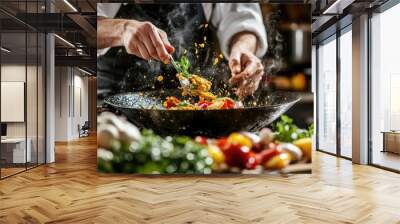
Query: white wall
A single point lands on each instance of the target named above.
(61, 104)
(71, 93)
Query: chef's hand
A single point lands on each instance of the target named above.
(146, 41)
(246, 68)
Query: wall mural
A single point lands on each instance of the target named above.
(204, 88)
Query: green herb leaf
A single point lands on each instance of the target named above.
(182, 66)
(185, 63)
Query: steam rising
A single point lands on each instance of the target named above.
(181, 22)
(274, 58)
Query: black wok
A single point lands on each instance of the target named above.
(145, 110)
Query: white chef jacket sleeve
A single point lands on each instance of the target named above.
(232, 18)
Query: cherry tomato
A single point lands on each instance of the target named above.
(251, 162)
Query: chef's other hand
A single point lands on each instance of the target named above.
(146, 41)
(246, 68)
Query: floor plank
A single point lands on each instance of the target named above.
(71, 191)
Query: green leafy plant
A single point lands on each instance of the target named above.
(286, 131)
(183, 66)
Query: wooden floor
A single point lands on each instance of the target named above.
(386, 159)
(10, 171)
(70, 191)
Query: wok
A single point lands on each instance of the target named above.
(145, 110)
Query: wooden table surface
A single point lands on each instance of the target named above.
(71, 191)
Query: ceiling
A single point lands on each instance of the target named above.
(72, 20)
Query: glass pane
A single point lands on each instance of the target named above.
(32, 97)
(346, 94)
(14, 153)
(385, 84)
(327, 96)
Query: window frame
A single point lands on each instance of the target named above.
(338, 29)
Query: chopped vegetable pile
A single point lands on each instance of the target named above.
(174, 103)
(199, 87)
(123, 149)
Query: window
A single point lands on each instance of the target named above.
(22, 77)
(385, 88)
(327, 95)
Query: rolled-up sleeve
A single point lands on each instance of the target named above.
(107, 10)
(233, 18)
